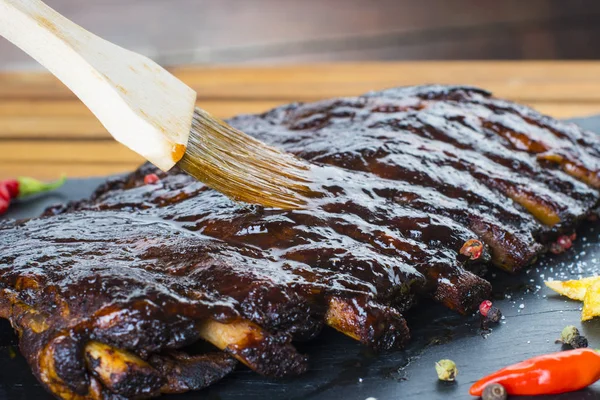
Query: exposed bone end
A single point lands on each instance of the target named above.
(541, 211)
(69, 364)
(591, 178)
(509, 250)
(462, 291)
(573, 168)
(378, 326)
(58, 362)
(48, 374)
(184, 372)
(259, 350)
(239, 333)
(21, 315)
(122, 372)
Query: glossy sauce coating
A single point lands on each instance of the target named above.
(402, 180)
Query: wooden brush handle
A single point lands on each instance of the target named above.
(142, 105)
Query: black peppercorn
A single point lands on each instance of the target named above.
(494, 391)
(579, 342)
(570, 336)
(494, 315)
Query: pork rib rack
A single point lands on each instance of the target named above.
(105, 293)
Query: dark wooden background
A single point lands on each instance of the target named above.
(176, 32)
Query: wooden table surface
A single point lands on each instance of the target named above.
(45, 131)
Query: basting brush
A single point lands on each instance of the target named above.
(152, 112)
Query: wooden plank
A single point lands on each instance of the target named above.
(52, 127)
(561, 90)
(21, 120)
(51, 171)
(377, 71)
(49, 159)
(62, 119)
(66, 151)
(517, 90)
(567, 110)
(75, 108)
(46, 159)
(523, 81)
(43, 108)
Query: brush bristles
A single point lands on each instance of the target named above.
(242, 167)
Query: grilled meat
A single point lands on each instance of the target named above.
(105, 292)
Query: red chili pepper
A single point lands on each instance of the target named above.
(24, 186)
(5, 197)
(151, 179)
(562, 244)
(484, 307)
(5, 194)
(21, 187)
(13, 187)
(566, 371)
(3, 206)
(472, 249)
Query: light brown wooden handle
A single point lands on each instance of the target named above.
(142, 105)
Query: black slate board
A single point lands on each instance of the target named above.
(343, 369)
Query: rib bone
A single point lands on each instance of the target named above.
(259, 350)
